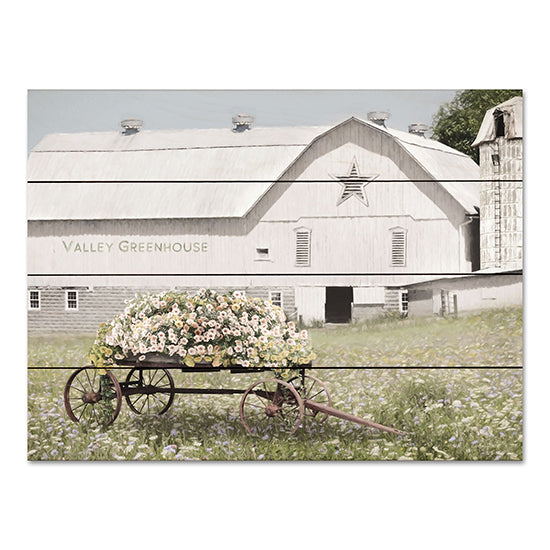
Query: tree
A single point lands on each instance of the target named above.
(456, 123)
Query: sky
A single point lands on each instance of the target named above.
(53, 111)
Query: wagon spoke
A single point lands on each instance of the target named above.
(262, 402)
(86, 407)
(140, 396)
(158, 399)
(143, 403)
(77, 380)
(151, 382)
(88, 377)
(82, 394)
(313, 390)
(162, 377)
(256, 406)
(314, 395)
(282, 411)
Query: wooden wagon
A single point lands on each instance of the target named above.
(148, 388)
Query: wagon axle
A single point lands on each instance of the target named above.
(91, 397)
(272, 410)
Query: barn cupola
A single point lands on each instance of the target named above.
(378, 117)
(418, 129)
(131, 126)
(242, 122)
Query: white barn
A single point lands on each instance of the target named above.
(329, 222)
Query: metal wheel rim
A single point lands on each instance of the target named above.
(313, 390)
(252, 408)
(78, 385)
(144, 403)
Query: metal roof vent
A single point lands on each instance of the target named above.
(242, 122)
(131, 126)
(418, 129)
(378, 117)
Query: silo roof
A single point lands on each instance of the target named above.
(513, 121)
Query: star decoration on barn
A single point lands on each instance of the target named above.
(353, 184)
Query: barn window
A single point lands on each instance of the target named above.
(276, 297)
(303, 247)
(34, 299)
(262, 253)
(499, 123)
(404, 301)
(398, 247)
(71, 300)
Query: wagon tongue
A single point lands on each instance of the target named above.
(320, 408)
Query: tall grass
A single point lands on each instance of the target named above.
(490, 338)
(449, 413)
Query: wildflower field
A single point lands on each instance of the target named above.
(449, 413)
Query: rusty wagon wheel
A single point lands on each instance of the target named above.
(271, 406)
(149, 391)
(312, 389)
(90, 396)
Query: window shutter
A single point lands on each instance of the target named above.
(303, 248)
(398, 247)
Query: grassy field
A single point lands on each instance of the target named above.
(491, 338)
(450, 413)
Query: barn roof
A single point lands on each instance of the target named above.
(456, 172)
(513, 121)
(169, 155)
(68, 173)
(141, 200)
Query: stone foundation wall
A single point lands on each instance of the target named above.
(100, 304)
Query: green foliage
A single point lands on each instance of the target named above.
(457, 123)
(105, 406)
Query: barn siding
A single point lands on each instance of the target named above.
(337, 244)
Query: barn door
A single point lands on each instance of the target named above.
(310, 303)
(338, 304)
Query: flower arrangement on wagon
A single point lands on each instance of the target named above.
(223, 330)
